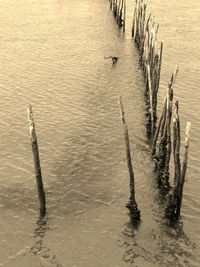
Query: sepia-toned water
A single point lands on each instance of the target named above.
(52, 56)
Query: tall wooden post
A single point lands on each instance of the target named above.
(184, 167)
(131, 205)
(35, 150)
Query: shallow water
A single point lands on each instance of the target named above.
(52, 56)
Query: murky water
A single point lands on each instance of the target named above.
(52, 56)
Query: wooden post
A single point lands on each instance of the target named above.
(185, 157)
(124, 20)
(134, 23)
(176, 147)
(162, 146)
(174, 202)
(184, 168)
(150, 102)
(155, 138)
(36, 159)
(159, 68)
(115, 8)
(131, 205)
(168, 135)
(111, 4)
(119, 18)
(173, 197)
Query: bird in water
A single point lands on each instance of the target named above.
(114, 59)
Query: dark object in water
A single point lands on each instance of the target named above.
(114, 59)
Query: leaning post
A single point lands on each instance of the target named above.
(131, 205)
(35, 150)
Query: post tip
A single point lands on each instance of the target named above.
(29, 109)
(188, 126)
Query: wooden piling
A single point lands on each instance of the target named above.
(111, 4)
(162, 178)
(124, 18)
(35, 150)
(144, 34)
(131, 205)
(173, 196)
(162, 158)
(174, 202)
(150, 103)
(184, 167)
(119, 12)
(159, 66)
(168, 136)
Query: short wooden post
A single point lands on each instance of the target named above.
(36, 159)
(131, 205)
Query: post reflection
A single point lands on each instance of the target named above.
(39, 234)
(165, 245)
(39, 249)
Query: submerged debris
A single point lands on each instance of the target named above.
(114, 59)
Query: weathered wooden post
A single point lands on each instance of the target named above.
(35, 150)
(118, 14)
(184, 167)
(158, 128)
(159, 66)
(174, 200)
(131, 205)
(173, 196)
(124, 19)
(134, 22)
(111, 4)
(151, 106)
